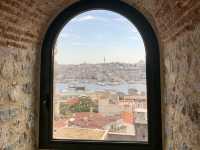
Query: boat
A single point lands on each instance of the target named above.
(101, 83)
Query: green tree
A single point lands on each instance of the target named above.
(64, 109)
(85, 105)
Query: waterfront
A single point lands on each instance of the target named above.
(92, 87)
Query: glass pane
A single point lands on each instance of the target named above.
(100, 80)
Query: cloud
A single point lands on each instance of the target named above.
(73, 36)
(84, 18)
(64, 35)
(136, 37)
(125, 20)
(133, 38)
(100, 37)
(119, 19)
(79, 44)
(98, 18)
(89, 17)
(134, 29)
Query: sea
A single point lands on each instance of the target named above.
(122, 87)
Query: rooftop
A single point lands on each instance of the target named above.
(79, 133)
(92, 120)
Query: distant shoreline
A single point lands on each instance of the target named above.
(94, 87)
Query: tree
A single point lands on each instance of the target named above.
(85, 105)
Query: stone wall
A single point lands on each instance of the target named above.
(182, 92)
(22, 26)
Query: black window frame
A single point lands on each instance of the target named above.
(152, 76)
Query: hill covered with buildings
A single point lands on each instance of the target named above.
(103, 72)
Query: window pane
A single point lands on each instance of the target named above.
(100, 80)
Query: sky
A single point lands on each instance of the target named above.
(97, 34)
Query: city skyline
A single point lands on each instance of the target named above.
(84, 40)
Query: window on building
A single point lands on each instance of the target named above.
(100, 79)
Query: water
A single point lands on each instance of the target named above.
(122, 87)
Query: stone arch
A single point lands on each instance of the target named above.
(22, 27)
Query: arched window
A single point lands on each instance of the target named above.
(99, 68)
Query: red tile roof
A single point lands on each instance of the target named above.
(127, 117)
(60, 123)
(92, 120)
(72, 101)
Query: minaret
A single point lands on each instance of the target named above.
(104, 59)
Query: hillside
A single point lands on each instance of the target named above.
(104, 72)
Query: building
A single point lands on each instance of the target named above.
(91, 120)
(80, 133)
(136, 104)
(107, 108)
